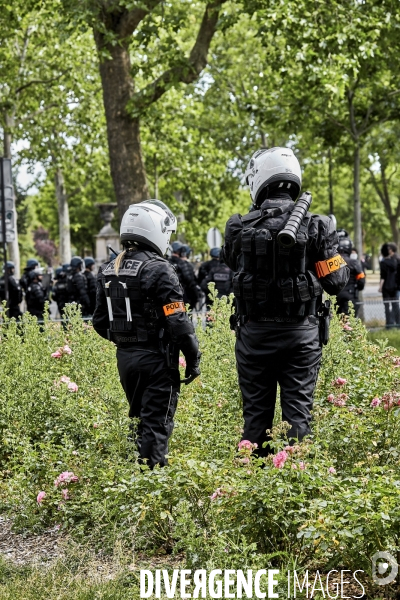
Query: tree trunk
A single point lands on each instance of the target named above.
(13, 247)
(123, 132)
(395, 228)
(63, 218)
(357, 200)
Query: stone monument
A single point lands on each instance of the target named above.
(107, 235)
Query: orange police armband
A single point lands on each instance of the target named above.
(173, 308)
(360, 276)
(325, 267)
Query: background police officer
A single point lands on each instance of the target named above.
(91, 281)
(278, 294)
(31, 264)
(221, 275)
(356, 280)
(35, 294)
(208, 265)
(185, 272)
(60, 288)
(77, 285)
(140, 308)
(14, 292)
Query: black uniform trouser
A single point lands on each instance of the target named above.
(152, 391)
(342, 303)
(268, 353)
(392, 311)
(13, 311)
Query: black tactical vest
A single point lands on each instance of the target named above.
(221, 275)
(273, 281)
(133, 317)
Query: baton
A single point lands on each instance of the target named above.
(113, 251)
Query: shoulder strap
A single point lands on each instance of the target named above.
(257, 216)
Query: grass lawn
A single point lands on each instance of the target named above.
(392, 335)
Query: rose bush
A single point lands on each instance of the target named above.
(329, 502)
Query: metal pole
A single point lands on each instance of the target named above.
(3, 228)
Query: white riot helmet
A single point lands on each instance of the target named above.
(151, 223)
(274, 165)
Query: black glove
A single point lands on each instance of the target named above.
(192, 369)
(190, 348)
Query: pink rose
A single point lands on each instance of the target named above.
(219, 405)
(294, 466)
(340, 381)
(65, 494)
(95, 425)
(40, 497)
(64, 379)
(347, 327)
(72, 386)
(302, 465)
(182, 362)
(56, 354)
(332, 470)
(245, 444)
(216, 494)
(66, 350)
(331, 398)
(289, 449)
(65, 477)
(280, 459)
(339, 402)
(376, 402)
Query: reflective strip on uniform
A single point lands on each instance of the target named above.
(325, 267)
(109, 306)
(174, 307)
(360, 276)
(127, 302)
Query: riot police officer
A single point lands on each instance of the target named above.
(140, 308)
(35, 294)
(221, 275)
(208, 265)
(60, 288)
(278, 293)
(31, 264)
(185, 272)
(91, 282)
(77, 285)
(356, 280)
(14, 292)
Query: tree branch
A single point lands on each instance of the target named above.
(39, 81)
(131, 19)
(380, 193)
(37, 112)
(189, 68)
(340, 124)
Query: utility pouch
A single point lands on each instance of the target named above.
(324, 322)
